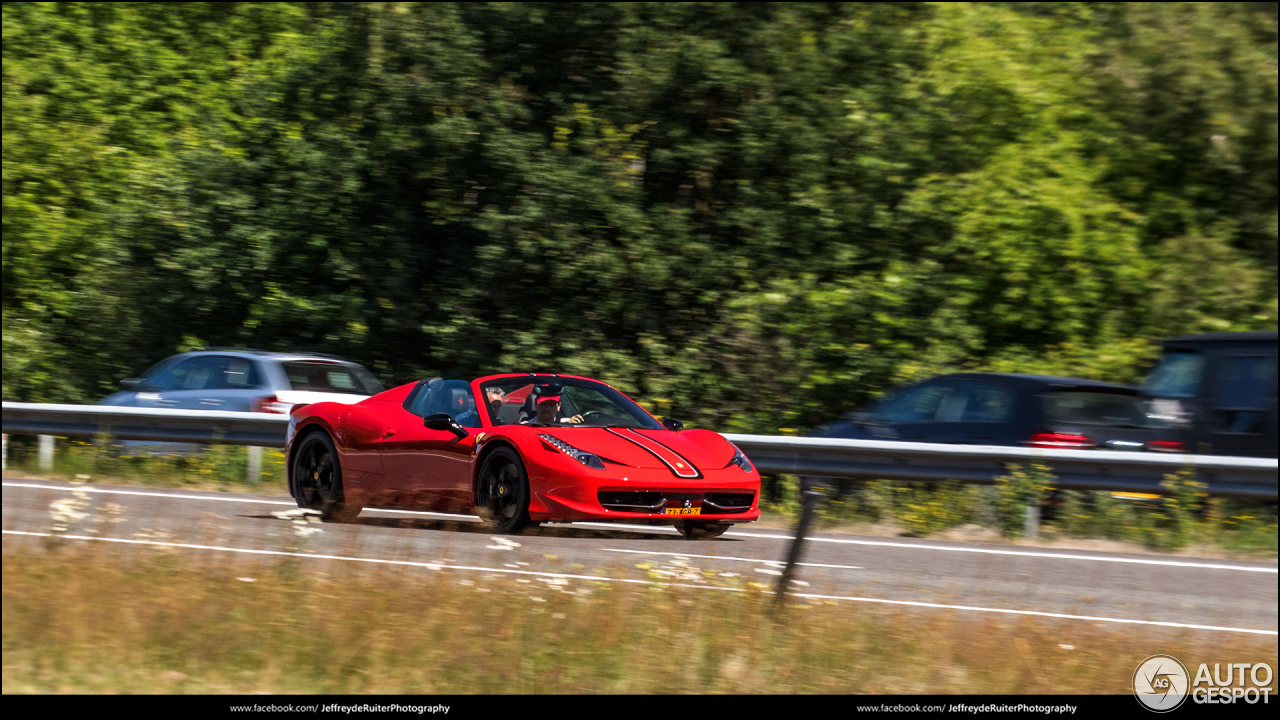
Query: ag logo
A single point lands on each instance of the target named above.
(1161, 683)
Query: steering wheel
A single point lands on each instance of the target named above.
(589, 413)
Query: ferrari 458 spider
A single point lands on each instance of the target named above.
(520, 449)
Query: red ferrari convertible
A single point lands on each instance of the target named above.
(520, 449)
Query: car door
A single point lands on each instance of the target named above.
(202, 387)
(236, 389)
(181, 386)
(431, 467)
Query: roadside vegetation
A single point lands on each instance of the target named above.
(748, 217)
(1183, 518)
(86, 618)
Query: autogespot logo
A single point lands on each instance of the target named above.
(1160, 683)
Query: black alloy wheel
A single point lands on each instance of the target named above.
(317, 477)
(692, 530)
(502, 491)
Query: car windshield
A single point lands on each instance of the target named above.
(1068, 407)
(329, 377)
(511, 401)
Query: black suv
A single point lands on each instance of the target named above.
(1219, 390)
(1006, 409)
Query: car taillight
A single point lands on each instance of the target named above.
(1061, 441)
(270, 404)
(1166, 446)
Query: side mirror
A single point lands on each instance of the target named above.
(672, 424)
(131, 384)
(442, 421)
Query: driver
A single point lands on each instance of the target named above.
(549, 412)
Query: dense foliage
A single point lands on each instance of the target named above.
(751, 216)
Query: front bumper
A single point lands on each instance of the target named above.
(641, 494)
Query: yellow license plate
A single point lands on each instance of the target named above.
(683, 511)
(1135, 496)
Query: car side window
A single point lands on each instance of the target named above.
(239, 374)
(914, 404)
(451, 397)
(206, 373)
(985, 402)
(186, 375)
(1177, 375)
(1244, 383)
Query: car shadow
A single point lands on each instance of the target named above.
(558, 530)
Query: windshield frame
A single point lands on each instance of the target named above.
(645, 420)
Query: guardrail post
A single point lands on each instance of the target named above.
(1031, 522)
(4, 455)
(810, 495)
(46, 453)
(253, 464)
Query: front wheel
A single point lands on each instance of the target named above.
(502, 491)
(317, 477)
(701, 530)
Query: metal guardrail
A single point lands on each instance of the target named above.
(1072, 469)
(158, 424)
(820, 457)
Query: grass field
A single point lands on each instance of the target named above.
(91, 619)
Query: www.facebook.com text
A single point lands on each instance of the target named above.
(962, 707)
(346, 709)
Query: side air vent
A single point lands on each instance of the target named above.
(726, 503)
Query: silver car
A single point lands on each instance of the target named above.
(246, 380)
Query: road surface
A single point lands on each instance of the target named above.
(1100, 587)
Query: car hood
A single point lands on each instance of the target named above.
(643, 448)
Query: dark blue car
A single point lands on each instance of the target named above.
(1015, 410)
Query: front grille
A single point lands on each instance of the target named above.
(651, 502)
(726, 503)
(655, 502)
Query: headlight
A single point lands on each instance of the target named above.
(581, 456)
(739, 459)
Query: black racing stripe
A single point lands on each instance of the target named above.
(642, 447)
(673, 452)
(697, 473)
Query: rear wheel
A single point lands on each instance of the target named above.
(317, 477)
(700, 530)
(502, 491)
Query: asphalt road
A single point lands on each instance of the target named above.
(1154, 590)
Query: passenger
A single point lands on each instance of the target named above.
(493, 398)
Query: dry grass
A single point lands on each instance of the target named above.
(95, 619)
